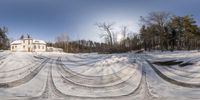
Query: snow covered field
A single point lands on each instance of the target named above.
(127, 76)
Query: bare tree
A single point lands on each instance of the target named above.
(63, 41)
(108, 34)
(124, 31)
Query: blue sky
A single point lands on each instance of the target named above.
(46, 19)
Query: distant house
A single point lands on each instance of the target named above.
(27, 44)
(53, 49)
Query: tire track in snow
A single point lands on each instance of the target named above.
(9, 73)
(123, 84)
(96, 79)
(84, 62)
(4, 56)
(25, 79)
(185, 75)
(59, 62)
(52, 89)
(142, 87)
(166, 78)
(140, 93)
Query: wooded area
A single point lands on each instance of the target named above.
(4, 41)
(159, 31)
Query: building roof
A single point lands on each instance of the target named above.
(16, 42)
(39, 42)
(34, 42)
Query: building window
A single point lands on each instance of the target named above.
(23, 41)
(28, 41)
(42, 47)
(38, 47)
(13, 47)
(35, 47)
(24, 46)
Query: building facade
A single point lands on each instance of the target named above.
(28, 45)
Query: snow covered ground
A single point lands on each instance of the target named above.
(91, 76)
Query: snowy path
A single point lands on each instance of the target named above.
(98, 77)
(73, 91)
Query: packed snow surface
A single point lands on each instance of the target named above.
(91, 76)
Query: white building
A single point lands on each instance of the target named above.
(53, 49)
(28, 45)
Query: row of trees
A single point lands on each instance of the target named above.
(129, 41)
(161, 31)
(4, 41)
(77, 46)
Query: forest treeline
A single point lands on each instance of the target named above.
(161, 31)
(158, 31)
(4, 41)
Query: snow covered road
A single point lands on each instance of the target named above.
(100, 76)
